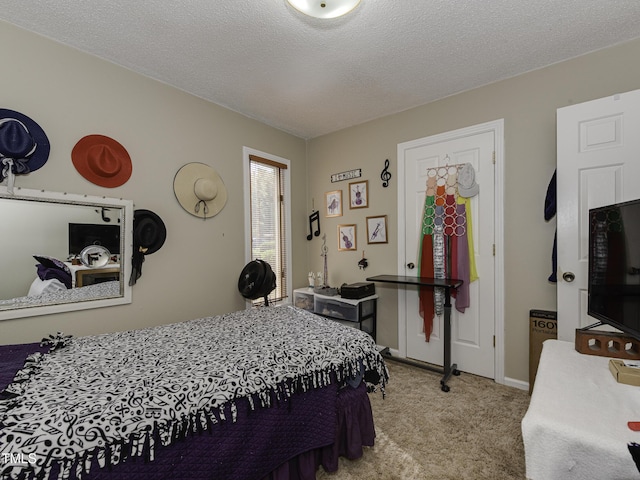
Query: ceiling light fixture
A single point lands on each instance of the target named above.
(324, 8)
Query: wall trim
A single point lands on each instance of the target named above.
(247, 152)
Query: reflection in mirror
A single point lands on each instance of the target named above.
(42, 236)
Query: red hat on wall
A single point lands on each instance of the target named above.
(102, 161)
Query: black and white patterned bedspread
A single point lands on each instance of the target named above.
(115, 395)
(81, 294)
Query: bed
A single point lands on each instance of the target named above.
(55, 284)
(56, 296)
(267, 393)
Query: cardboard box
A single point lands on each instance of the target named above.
(543, 325)
(623, 373)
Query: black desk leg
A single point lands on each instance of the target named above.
(447, 367)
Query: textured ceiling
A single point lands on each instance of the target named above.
(310, 77)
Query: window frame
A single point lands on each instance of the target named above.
(247, 153)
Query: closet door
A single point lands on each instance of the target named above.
(598, 164)
(472, 332)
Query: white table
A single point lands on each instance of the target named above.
(576, 424)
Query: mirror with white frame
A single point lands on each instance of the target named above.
(52, 226)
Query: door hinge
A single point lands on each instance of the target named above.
(494, 341)
(494, 157)
(494, 249)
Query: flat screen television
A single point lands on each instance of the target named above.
(614, 266)
(84, 234)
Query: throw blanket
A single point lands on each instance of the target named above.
(114, 396)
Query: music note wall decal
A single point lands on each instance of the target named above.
(314, 217)
(385, 175)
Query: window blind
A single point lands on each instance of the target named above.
(268, 220)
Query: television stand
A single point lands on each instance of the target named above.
(606, 344)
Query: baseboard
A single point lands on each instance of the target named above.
(510, 382)
(519, 384)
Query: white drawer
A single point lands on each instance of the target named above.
(303, 300)
(334, 308)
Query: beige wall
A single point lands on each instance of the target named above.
(527, 104)
(71, 94)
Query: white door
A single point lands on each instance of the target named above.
(598, 164)
(472, 332)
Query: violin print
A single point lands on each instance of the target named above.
(346, 237)
(359, 194)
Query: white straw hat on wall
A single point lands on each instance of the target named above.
(200, 190)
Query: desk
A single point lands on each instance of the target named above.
(82, 276)
(447, 284)
(576, 424)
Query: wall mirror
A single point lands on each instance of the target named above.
(55, 227)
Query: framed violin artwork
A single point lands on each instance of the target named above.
(359, 194)
(346, 237)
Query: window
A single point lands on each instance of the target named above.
(268, 230)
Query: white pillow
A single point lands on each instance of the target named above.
(38, 287)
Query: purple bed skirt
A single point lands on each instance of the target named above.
(289, 441)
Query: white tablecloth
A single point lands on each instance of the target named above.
(576, 424)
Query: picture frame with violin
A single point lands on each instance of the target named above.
(347, 237)
(359, 194)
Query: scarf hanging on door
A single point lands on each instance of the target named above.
(446, 243)
(426, 257)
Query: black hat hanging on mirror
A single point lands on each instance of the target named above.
(149, 234)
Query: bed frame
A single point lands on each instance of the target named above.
(289, 440)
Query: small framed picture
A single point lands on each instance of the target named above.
(333, 201)
(346, 237)
(359, 194)
(377, 229)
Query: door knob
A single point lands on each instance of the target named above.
(568, 276)
(410, 266)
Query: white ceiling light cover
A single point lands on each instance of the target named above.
(324, 8)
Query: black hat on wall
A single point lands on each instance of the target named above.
(149, 234)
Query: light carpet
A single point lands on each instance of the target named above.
(422, 433)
